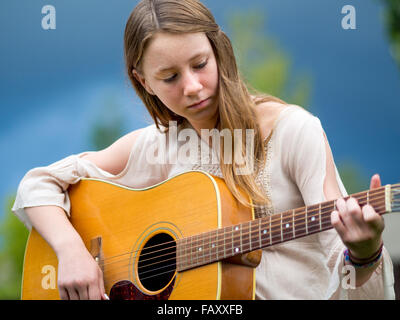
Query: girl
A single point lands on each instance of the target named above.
(183, 68)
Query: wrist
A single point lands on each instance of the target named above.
(69, 243)
(364, 262)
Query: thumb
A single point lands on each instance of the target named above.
(375, 182)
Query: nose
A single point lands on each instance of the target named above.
(191, 84)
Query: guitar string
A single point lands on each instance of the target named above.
(169, 271)
(272, 228)
(127, 272)
(272, 221)
(277, 219)
(281, 234)
(204, 257)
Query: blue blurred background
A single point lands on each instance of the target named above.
(54, 82)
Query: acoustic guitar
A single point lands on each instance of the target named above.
(184, 238)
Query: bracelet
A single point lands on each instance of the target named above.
(365, 263)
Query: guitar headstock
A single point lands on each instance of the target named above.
(395, 197)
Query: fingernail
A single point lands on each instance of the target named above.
(106, 296)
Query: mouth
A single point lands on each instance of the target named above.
(199, 104)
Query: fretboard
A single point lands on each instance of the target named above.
(260, 233)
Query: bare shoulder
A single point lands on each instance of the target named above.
(114, 158)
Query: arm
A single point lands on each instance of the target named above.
(311, 166)
(359, 228)
(79, 276)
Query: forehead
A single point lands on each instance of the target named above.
(167, 50)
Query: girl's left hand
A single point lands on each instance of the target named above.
(359, 228)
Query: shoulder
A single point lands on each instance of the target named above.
(271, 113)
(114, 158)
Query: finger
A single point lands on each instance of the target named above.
(372, 218)
(94, 292)
(101, 285)
(83, 292)
(63, 293)
(73, 294)
(350, 213)
(375, 182)
(337, 223)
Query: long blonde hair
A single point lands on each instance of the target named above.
(236, 106)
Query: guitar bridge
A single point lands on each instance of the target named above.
(96, 251)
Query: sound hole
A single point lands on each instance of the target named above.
(157, 262)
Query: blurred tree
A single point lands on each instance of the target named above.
(13, 235)
(392, 21)
(267, 68)
(264, 66)
(353, 178)
(108, 123)
(107, 127)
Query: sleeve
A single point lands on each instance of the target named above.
(48, 185)
(307, 168)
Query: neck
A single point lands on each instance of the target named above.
(260, 233)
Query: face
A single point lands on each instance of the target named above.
(181, 70)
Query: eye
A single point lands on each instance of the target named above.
(201, 65)
(170, 79)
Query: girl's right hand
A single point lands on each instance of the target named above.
(79, 275)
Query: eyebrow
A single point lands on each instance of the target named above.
(162, 70)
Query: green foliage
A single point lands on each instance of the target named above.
(392, 21)
(108, 124)
(353, 178)
(13, 236)
(264, 65)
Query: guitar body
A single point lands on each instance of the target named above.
(120, 225)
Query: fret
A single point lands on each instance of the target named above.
(216, 246)
(306, 220)
(259, 233)
(294, 225)
(327, 207)
(320, 223)
(199, 249)
(179, 258)
(194, 250)
(368, 197)
(211, 246)
(250, 234)
(275, 229)
(207, 248)
(202, 249)
(236, 243)
(287, 225)
(246, 238)
(300, 224)
(265, 240)
(313, 219)
(185, 252)
(189, 255)
(281, 228)
(221, 243)
(270, 230)
(225, 244)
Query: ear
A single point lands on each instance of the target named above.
(141, 79)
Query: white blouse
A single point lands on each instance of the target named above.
(311, 267)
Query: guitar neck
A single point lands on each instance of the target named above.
(260, 233)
